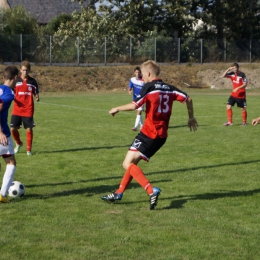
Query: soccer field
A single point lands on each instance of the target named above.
(208, 208)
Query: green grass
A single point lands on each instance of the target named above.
(208, 209)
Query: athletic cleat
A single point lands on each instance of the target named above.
(134, 129)
(17, 148)
(29, 153)
(227, 124)
(154, 197)
(244, 124)
(112, 197)
(3, 199)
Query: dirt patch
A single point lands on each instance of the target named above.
(113, 78)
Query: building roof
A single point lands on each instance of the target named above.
(45, 10)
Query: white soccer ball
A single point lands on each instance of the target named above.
(17, 189)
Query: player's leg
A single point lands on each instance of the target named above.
(9, 171)
(15, 124)
(242, 104)
(138, 119)
(244, 116)
(28, 125)
(229, 111)
(131, 157)
(29, 140)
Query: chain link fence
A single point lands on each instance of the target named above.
(49, 50)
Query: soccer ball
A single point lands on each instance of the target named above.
(17, 189)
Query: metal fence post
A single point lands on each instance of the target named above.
(78, 50)
(250, 50)
(21, 47)
(105, 51)
(50, 50)
(155, 49)
(201, 51)
(225, 51)
(130, 48)
(179, 50)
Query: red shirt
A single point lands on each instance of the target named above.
(158, 98)
(24, 91)
(238, 80)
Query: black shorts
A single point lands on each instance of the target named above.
(17, 121)
(146, 146)
(240, 102)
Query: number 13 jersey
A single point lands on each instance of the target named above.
(158, 98)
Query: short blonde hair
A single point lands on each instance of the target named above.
(26, 64)
(151, 66)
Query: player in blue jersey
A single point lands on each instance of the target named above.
(6, 144)
(135, 85)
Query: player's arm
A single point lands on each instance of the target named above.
(192, 122)
(227, 71)
(127, 107)
(130, 87)
(37, 97)
(3, 139)
(255, 121)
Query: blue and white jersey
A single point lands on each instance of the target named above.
(6, 98)
(136, 85)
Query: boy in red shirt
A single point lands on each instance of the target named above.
(158, 97)
(238, 94)
(25, 90)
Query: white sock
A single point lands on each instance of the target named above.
(137, 120)
(141, 121)
(7, 179)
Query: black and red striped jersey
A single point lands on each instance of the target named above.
(158, 98)
(238, 79)
(24, 91)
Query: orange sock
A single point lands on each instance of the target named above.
(125, 181)
(138, 175)
(244, 116)
(229, 115)
(16, 136)
(29, 139)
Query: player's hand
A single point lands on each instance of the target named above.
(235, 90)
(255, 122)
(113, 111)
(192, 124)
(3, 139)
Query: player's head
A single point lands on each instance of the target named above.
(150, 70)
(235, 66)
(10, 72)
(10, 75)
(25, 68)
(26, 64)
(137, 72)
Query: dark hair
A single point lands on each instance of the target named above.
(10, 72)
(235, 65)
(137, 68)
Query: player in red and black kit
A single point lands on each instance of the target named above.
(25, 90)
(238, 94)
(158, 98)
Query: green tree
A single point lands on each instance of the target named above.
(53, 25)
(18, 21)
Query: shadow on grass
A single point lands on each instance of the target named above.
(88, 191)
(82, 149)
(179, 201)
(147, 174)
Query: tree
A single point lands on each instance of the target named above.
(18, 21)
